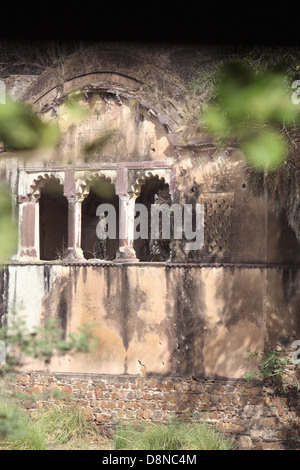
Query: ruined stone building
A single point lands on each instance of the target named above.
(169, 313)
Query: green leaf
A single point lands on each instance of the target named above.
(8, 226)
(266, 150)
(22, 129)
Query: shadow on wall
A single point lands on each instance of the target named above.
(186, 318)
(282, 306)
(235, 319)
(177, 321)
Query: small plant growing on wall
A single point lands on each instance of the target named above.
(274, 368)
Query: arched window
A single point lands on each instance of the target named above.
(102, 191)
(153, 191)
(53, 216)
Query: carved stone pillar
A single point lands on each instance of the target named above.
(74, 250)
(29, 227)
(126, 251)
(75, 198)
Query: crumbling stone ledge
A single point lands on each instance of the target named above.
(250, 414)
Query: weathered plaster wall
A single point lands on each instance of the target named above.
(166, 320)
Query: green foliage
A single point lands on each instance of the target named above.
(8, 226)
(63, 423)
(9, 417)
(266, 149)
(40, 343)
(55, 426)
(175, 435)
(22, 129)
(17, 431)
(74, 111)
(272, 367)
(253, 109)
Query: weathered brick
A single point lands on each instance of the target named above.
(151, 383)
(102, 418)
(268, 446)
(269, 422)
(23, 378)
(147, 414)
(244, 443)
(67, 389)
(147, 396)
(170, 385)
(253, 414)
(250, 391)
(88, 414)
(29, 404)
(169, 406)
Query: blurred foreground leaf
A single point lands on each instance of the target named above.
(8, 226)
(74, 111)
(253, 109)
(267, 149)
(22, 129)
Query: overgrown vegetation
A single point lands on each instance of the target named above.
(17, 344)
(273, 368)
(32, 58)
(249, 104)
(176, 435)
(43, 342)
(50, 428)
(65, 427)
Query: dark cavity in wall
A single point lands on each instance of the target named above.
(154, 190)
(101, 192)
(107, 274)
(53, 208)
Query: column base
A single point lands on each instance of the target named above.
(27, 254)
(126, 254)
(73, 254)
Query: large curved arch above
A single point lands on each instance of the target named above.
(124, 73)
(136, 66)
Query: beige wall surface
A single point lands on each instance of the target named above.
(165, 320)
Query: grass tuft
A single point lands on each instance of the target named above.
(176, 435)
(18, 431)
(48, 428)
(64, 423)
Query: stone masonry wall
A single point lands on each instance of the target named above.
(253, 415)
